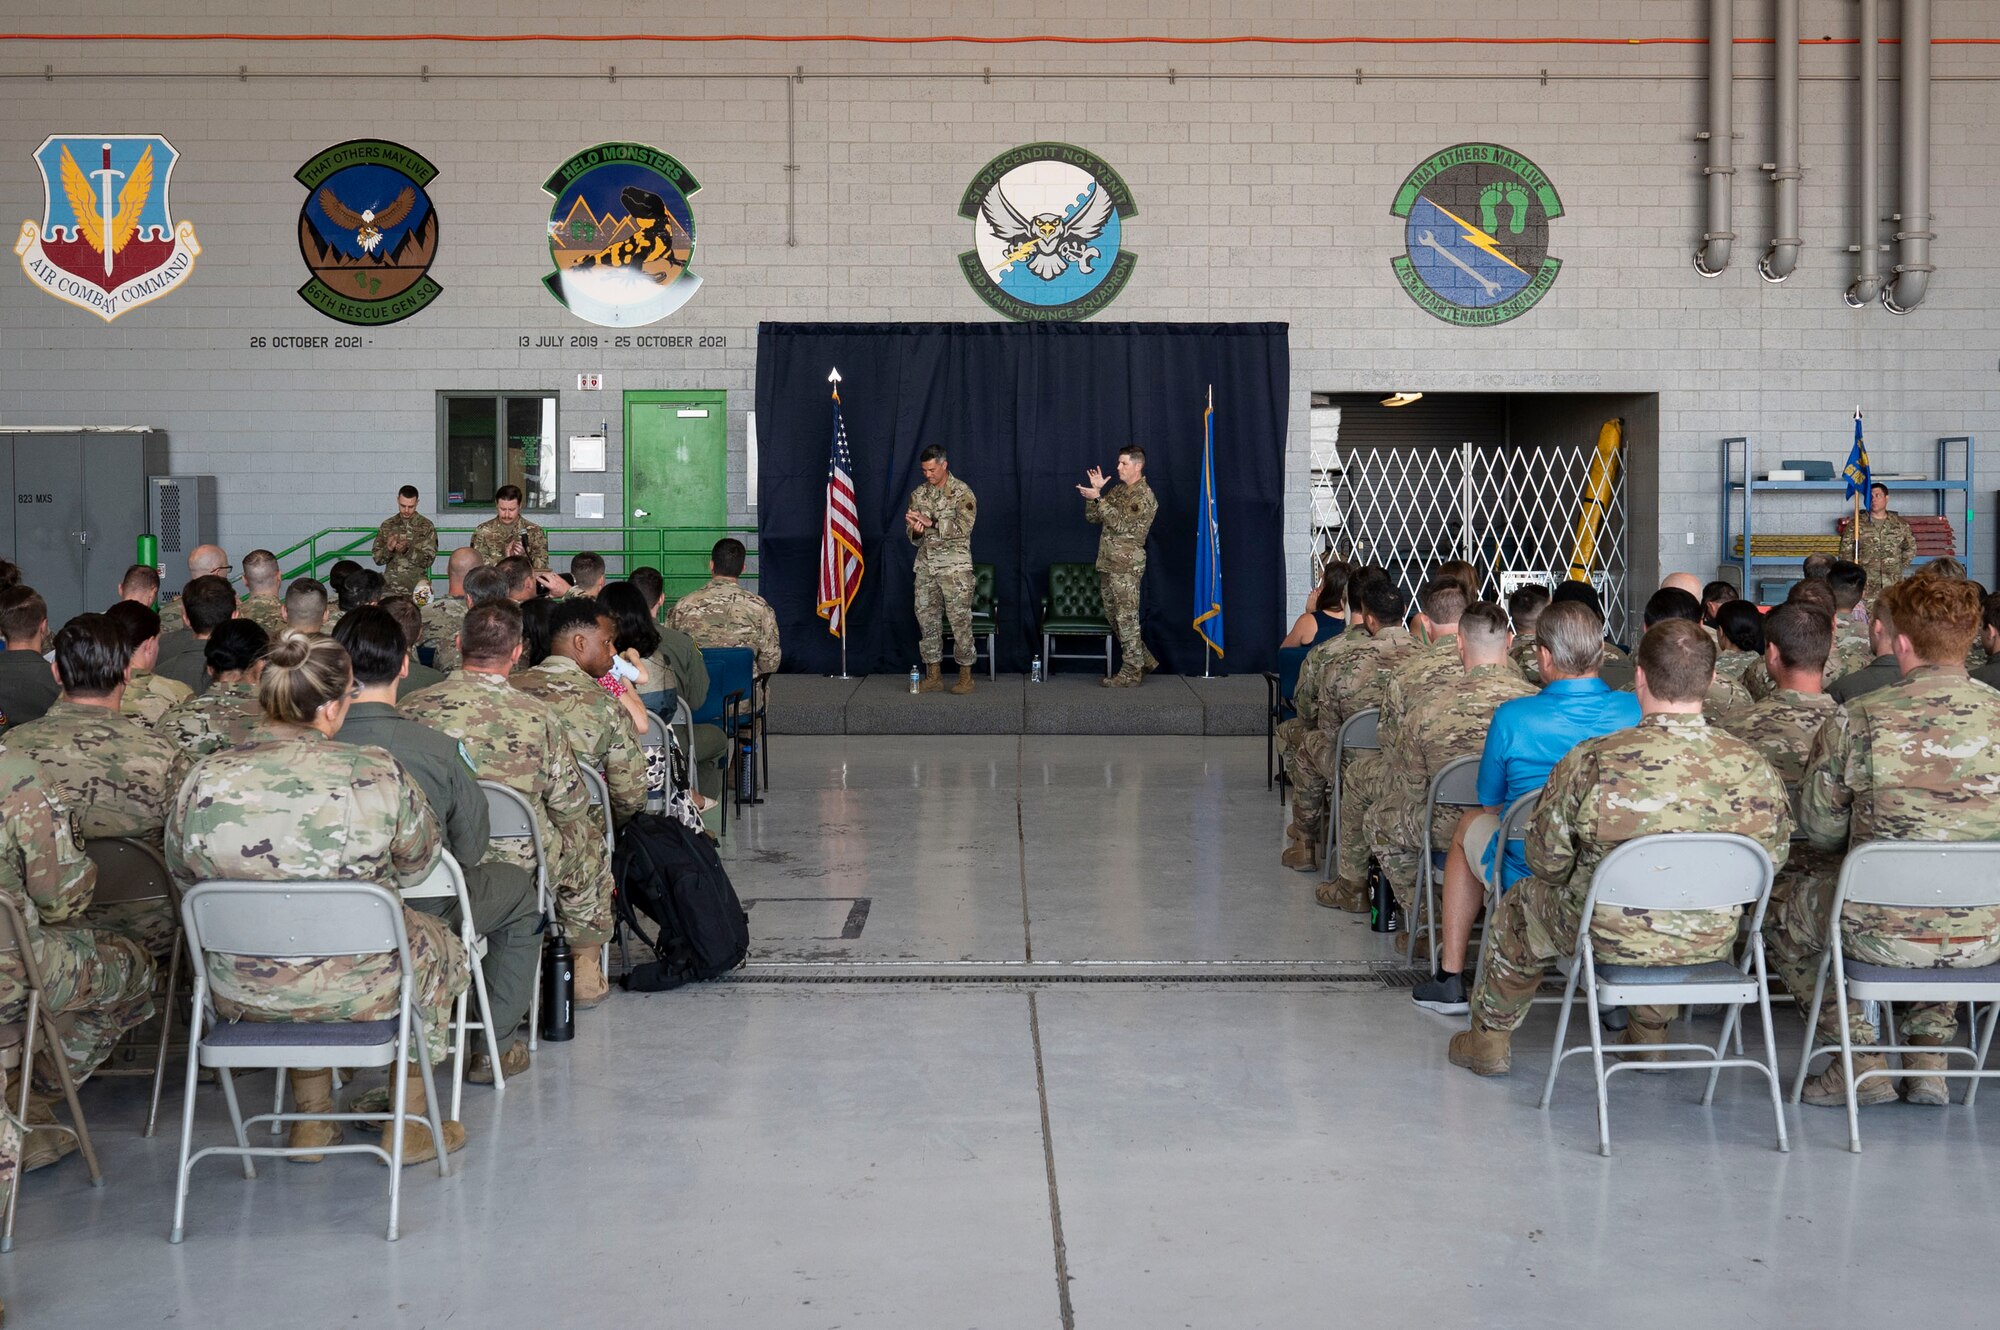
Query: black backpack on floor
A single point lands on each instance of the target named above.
(671, 876)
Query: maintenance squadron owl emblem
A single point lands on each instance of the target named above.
(107, 239)
(1047, 233)
(1476, 226)
(368, 232)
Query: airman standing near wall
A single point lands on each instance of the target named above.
(1126, 515)
(939, 523)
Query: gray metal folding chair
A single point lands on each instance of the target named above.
(17, 1053)
(1356, 734)
(1456, 785)
(447, 880)
(601, 794)
(130, 872)
(510, 816)
(1513, 826)
(658, 743)
(277, 920)
(1712, 871)
(1907, 875)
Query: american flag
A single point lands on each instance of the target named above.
(840, 562)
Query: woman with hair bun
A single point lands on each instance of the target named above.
(295, 806)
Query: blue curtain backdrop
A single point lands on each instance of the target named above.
(1024, 411)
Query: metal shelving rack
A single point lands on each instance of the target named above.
(1954, 477)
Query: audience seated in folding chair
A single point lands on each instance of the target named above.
(148, 696)
(1524, 611)
(297, 806)
(519, 741)
(1524, 740)
(111, 771)
(1912, 762)
(98, 983)
(502, 894)
(228, 713)
(691, 678)
(1326, 608)
(1312, 670)
(1672, 772)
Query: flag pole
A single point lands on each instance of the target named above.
(1208, 478)
(1854, 523)
(833, 377)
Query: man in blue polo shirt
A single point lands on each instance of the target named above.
(1527, 738)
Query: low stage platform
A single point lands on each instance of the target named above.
(1065, 704)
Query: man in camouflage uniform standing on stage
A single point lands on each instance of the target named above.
(113, 773)
(1885, 545)
(507, 533)
(517, 740)
(1448, 723)
(938, 521)
(1355, 679)
(1782, 726)
(405, 546)
(97, 984)
(1125, 515)
(1673, 772)
(1916, 760)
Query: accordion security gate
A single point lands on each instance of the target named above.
(1516, 512)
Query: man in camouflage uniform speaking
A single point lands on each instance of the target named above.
(939, 523)
(1916, 760)
(507, 532)
(1672, 772)
(1885, 544)
(405, 545)
(1125, 515)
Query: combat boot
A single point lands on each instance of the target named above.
(1829, 1088)
(591, 985)
(1350, 897)
(514, 1060)
(933, 681)
(312, 1092)
(1481, 1051)
(1150, 664)
(1931, 1090)
(1127, 677)
(1301, 851)
(964, 684)
(44, 1143)
(418, 1148)
(1636, 1035)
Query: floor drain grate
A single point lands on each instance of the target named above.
(1367, 981)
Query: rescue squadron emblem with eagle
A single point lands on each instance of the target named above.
(367, 225)
(1046, 242)
(1048, 233)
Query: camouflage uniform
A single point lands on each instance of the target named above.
(267, 612)
(1731, 663)
(295, 807)
(1522, 653)
(148, 697)
(442, 620)
(598, 732)
(96, 984)
(491, 538)
(1851, 649)
(1305, 693)
(173, 619)
(724, 614)
(1126, 515)
(1886, 547)
(1669, 773)
(1782, 727)
(406, 569)
(118, 778)
(1354, 681)
(518, 741)
(1724, 697)
(1446, 725)
(1913, 761)
(10, 1151)
(1618, 668)
(1416, 678)
(943, 569)
(226, 715)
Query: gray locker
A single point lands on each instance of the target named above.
(78, 505)
(181, 512)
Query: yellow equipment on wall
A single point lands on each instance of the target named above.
(1596, 499)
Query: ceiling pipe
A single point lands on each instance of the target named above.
(1913, 237)
(1713, 256)
(1868, 276)
(1782, 259)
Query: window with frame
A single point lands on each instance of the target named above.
(486, 440)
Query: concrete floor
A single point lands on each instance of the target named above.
(984, 1141)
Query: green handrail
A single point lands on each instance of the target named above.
(632, 546)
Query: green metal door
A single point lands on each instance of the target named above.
(677, 477)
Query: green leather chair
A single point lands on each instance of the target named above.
(985, 611)
(1074, 608)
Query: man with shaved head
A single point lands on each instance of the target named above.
(445, 614)
(203, 561)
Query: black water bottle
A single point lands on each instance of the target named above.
(558, 991)
(1384, 915)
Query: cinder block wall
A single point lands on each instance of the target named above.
(1262, 195)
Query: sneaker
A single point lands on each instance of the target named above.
(1443, 994)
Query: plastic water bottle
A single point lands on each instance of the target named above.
(916, 677)
(1035, 671)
